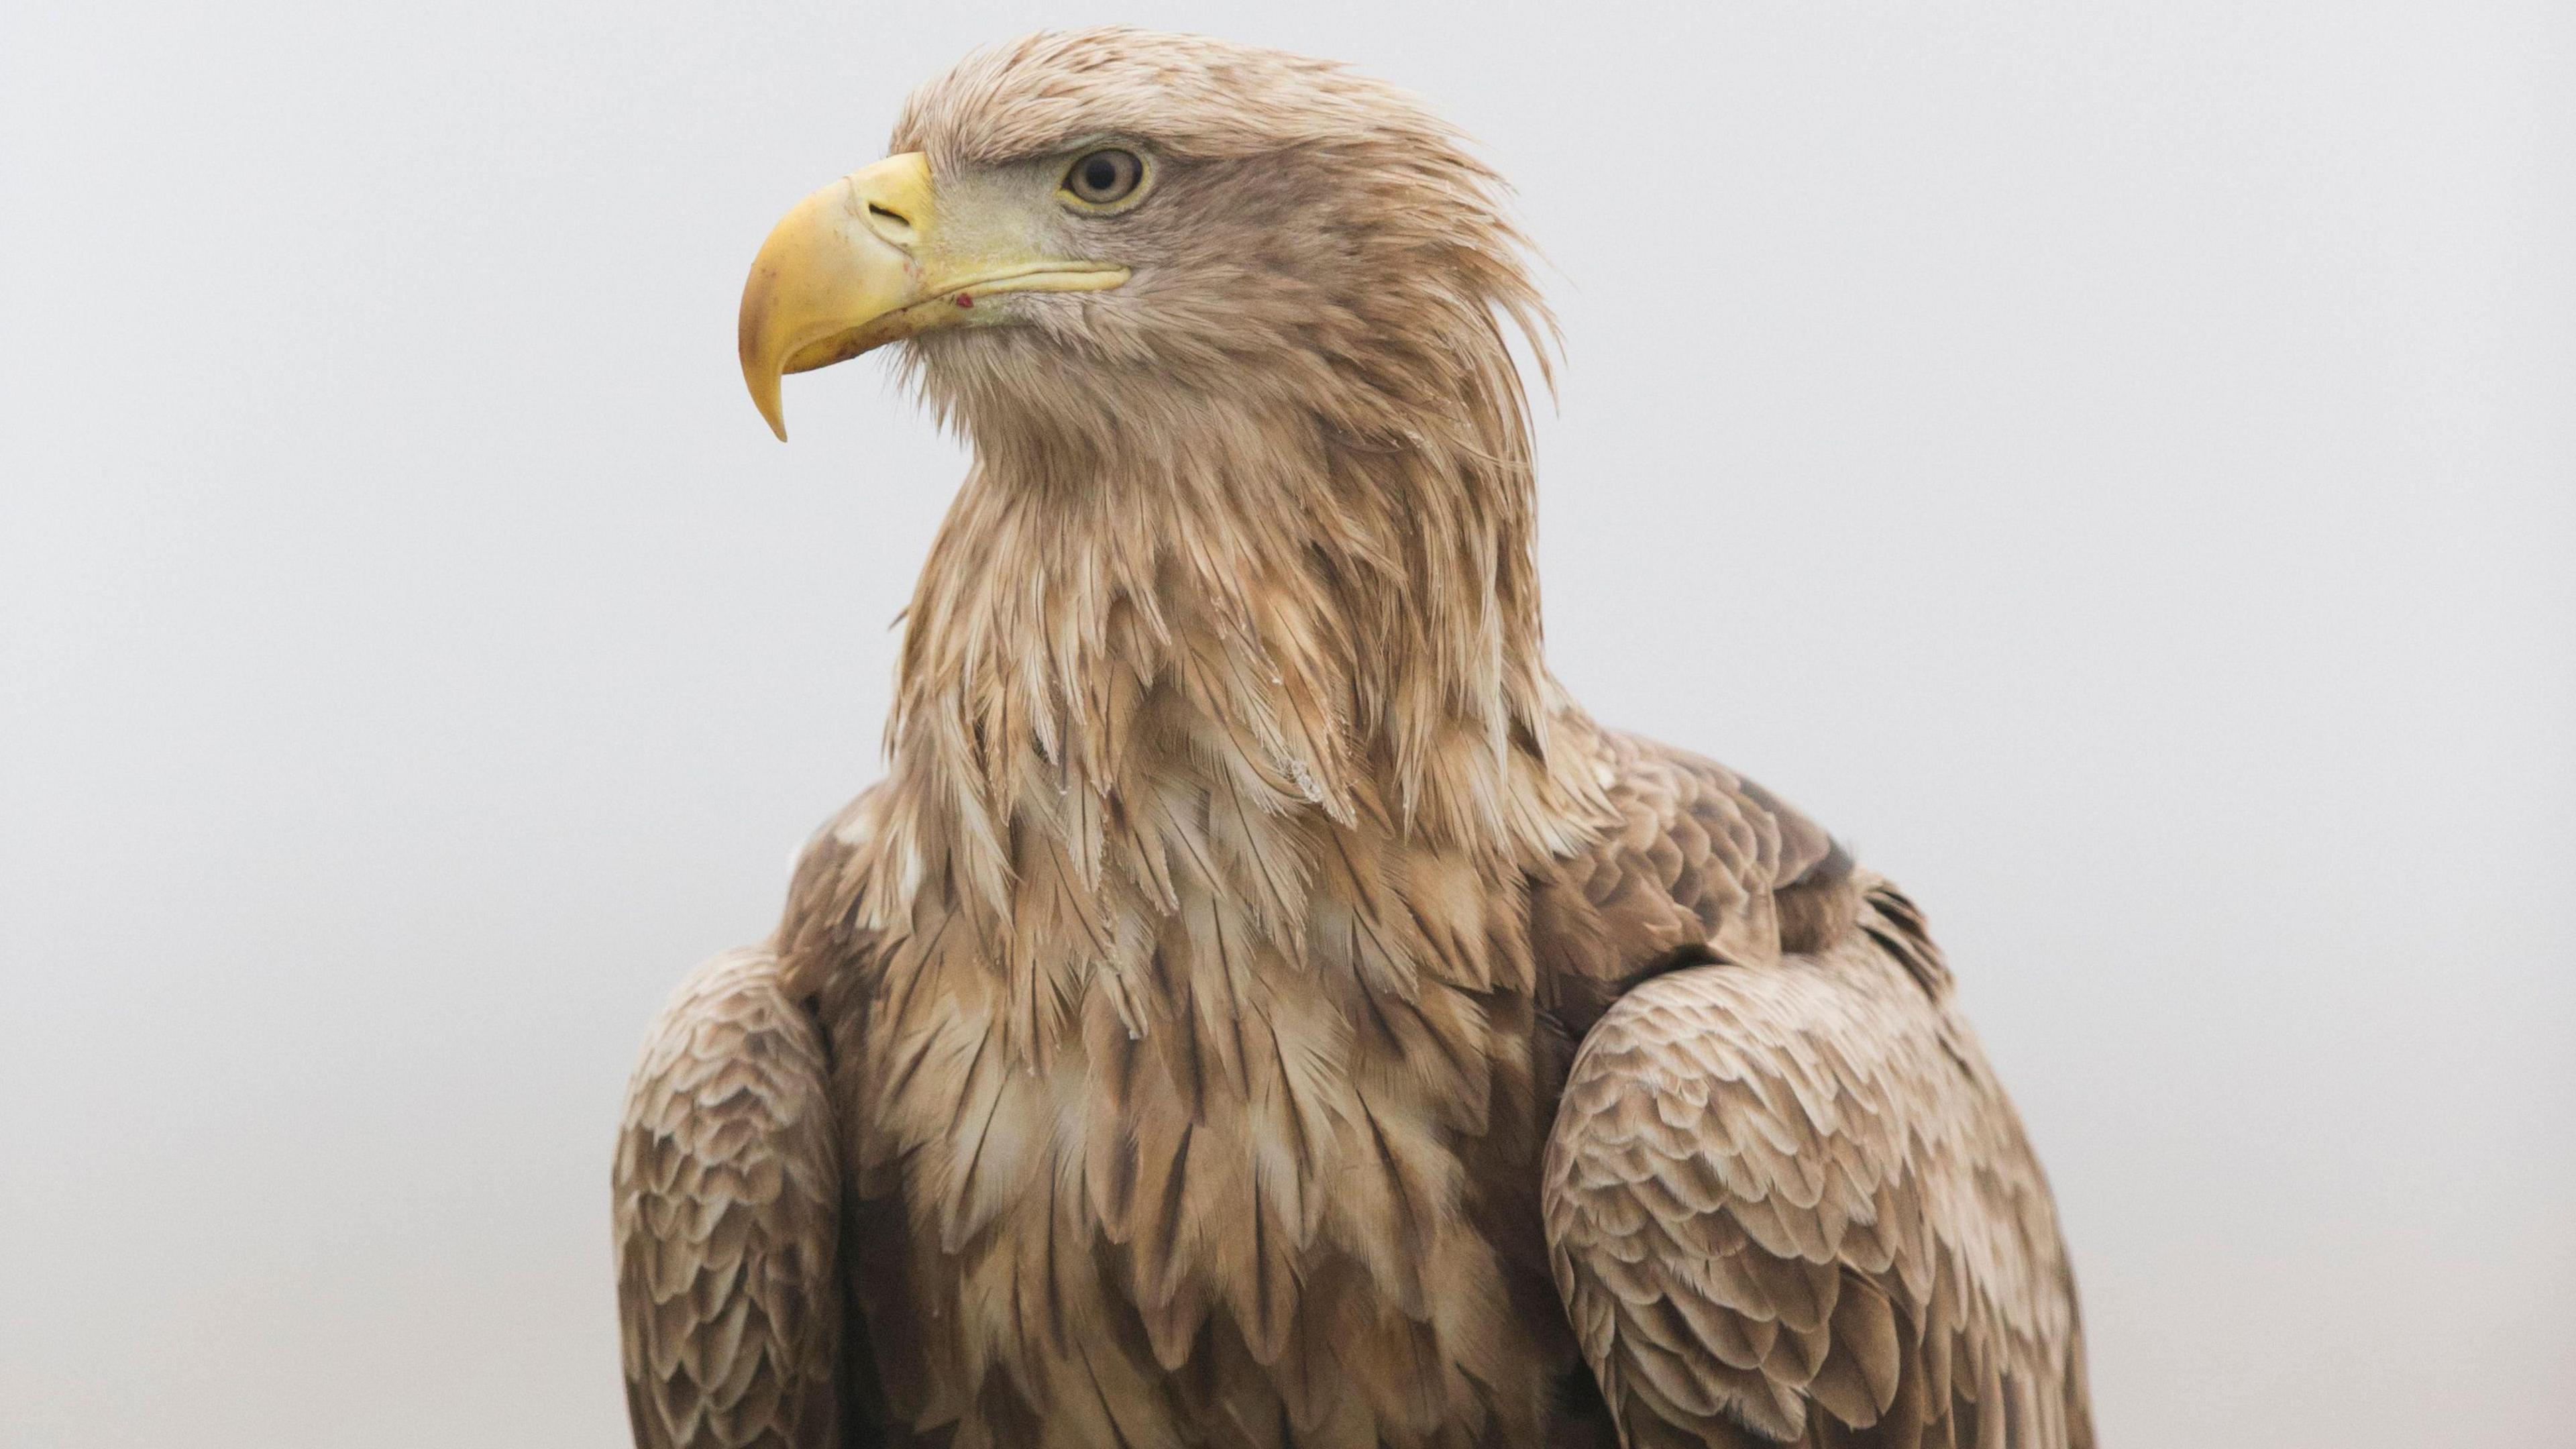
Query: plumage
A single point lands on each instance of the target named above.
(1258, 1007)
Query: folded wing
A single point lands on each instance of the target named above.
(726, 1205)
(1790, 1204)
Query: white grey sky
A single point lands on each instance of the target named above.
(2119, 468)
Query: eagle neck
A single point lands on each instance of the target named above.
(1266, 621)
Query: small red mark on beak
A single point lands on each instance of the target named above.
(965, 299)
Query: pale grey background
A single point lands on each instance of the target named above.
(2117, 469)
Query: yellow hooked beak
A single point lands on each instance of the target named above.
(865, 261)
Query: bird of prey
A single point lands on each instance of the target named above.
(1258, 1007)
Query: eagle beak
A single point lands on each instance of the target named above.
(864, 262)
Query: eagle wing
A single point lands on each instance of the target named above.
(1789, 1203)
(727, 1193)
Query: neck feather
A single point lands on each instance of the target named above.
(1264, 642)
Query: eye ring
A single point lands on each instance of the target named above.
(1105, 178)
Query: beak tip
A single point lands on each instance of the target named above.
(765, 396)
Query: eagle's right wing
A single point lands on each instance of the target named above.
(727, 1206)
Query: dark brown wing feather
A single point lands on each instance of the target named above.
(1696, 864)
(1788, 1203)
(727, 1185)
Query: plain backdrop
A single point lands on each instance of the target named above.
(2115, 467)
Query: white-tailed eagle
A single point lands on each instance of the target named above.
(1259, 1008)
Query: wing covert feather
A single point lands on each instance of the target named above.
(1791, 1204)
(726, 1186)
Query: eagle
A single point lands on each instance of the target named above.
(1258, 1007)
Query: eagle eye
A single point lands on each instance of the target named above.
(1104, 177)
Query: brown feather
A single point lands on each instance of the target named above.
(726, 1191)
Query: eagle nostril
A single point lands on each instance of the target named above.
(896, 217)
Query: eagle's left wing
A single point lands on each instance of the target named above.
(1788, 1203)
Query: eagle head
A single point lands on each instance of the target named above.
(1087, 236)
